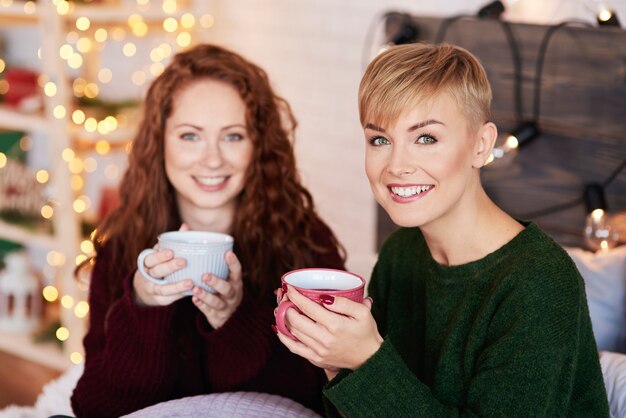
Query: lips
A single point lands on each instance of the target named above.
(409, 193)
(211, 183)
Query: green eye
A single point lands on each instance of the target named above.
(189, 137)
(426, 139)
(378, 141)
(233, 137)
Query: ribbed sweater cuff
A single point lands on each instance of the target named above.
(242, 345)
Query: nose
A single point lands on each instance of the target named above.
(400, 162)
(212, 155)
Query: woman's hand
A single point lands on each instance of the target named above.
(218, 307)
(342, 334)
(159, 264)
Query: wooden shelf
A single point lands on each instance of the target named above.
(106, 14)
(24, 237)
(22, 345)
(14, 119)
(14, 14)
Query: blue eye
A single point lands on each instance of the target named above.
(190, 136)
(425, 139)
(378, 141)
(233, 137)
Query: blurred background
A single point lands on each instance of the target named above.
(72, 77)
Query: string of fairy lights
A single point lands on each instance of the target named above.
(84, 37)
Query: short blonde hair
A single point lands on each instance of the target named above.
(405, 75)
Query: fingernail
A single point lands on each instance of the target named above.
(274, 329)
(180, 263)
(327, 299)
(285, 287)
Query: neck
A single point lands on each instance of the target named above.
(473, 229)
(213, 220)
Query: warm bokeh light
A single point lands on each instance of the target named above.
(77, 182)
(183, 39)
(91, 124)
(91, 164)
(140, 29)
(75, 61)
(76, 166)
(59, 111)
(3, 159)
(50, 89)
(170, 24)
(30, 7)
(2, 65)
(42, 176)
(63, 333)
(187, 21)
(86, 246)
(66, 51)
(63, 8)
(105, 75)
(92, 90)
(78, 116)
(82, 309)
(68, 154)
(76, 357)
(83, 23)
(103, 147)
(169, 6)
(67, 301)
(156, 69)
(207, 21)
(50, 293)
(139, 78)
(47, 212)
(79, 259)
(55, 258)
(512, 142)
(129, 49)
(79, 206)
(100, 35)
(83, 45)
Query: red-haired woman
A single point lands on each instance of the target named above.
(212, 153)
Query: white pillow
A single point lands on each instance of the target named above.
(604, 274)
(614, 372)
(228, 405)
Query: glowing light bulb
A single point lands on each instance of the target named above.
(599, 233)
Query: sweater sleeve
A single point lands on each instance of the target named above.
(536, 359)
(246, 338)
(128, 351)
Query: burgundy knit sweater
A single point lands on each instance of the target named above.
(139, 356)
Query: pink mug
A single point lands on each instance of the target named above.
(315, 282)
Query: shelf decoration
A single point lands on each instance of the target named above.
(22, 89)
(22, 197)
(20, 296)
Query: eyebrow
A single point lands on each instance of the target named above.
(199, 128)
(411, 129)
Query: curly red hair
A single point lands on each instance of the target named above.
(275, 218)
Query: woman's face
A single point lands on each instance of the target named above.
(207, 147)
(420, 167)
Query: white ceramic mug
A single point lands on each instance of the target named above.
(203, 252)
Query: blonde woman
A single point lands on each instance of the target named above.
(474, 313)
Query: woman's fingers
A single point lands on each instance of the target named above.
(172, 289)
(221, 286)
(209, 299)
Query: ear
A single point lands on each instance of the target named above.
(486, 139)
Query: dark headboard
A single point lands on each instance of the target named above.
(582, 118)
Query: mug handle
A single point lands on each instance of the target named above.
(142, 269)
(281, 311)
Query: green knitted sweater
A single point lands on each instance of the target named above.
(508, 335)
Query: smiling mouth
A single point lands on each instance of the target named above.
(410, 191)
(211, 181)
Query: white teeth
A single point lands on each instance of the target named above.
(210, 181)
(409, 191)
